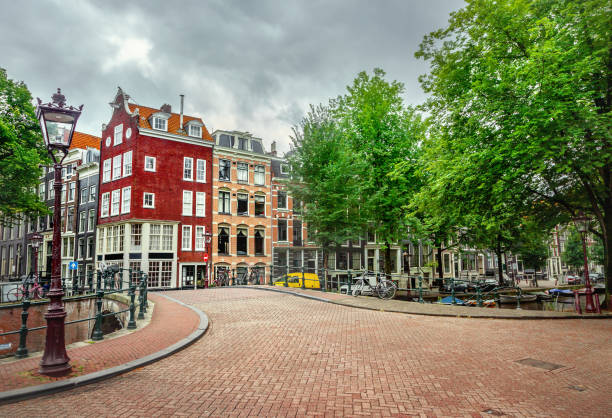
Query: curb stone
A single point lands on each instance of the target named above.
(15, 395)
(450, 314)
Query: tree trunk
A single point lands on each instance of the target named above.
(607, 242)
(387, 259)
(439, 256)
(500, 269)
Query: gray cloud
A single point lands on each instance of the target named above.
(252, 66)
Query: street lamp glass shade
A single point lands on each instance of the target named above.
(582, 224)
(57, 128)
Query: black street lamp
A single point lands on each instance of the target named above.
(582, 225)
(57, 122)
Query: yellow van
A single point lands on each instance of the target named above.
(311, 280)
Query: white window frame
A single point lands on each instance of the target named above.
(105, 206)
(200, 204)
(200, 231)
(187, 203)
(188, 165)
(84, 190)
(118, 137)
(106, 170)
(147, 159)
(126, 203)
(183, 235)
(195, 131)
(91, 225)
(117, 167)
(127, 164)
(92, 193)
(71, 191)
(201, 169)
(239, 172)
(115, 202)
(144, 200)
(263, 174)
(161, 121)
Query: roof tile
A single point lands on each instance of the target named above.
(173, 122)
(82, 140)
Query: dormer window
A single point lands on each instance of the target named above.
(159, 121)
(160, 124)
(195, 131)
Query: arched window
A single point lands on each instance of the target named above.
(241, 241)
(224, 243)
(259, 241)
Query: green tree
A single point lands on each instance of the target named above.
(21, 152)
(324, 178)
(382, 132)
(524, 87)
(573, 254)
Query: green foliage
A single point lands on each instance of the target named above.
(21, 151)
(343, 159)
(520, 98)
(596, 252)
(324, 179)
(573, 254)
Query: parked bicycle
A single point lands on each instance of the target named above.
(384, 289)
(29, 287)
(222, 278)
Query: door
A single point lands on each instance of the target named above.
(188, 276)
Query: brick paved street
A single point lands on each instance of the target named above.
(273, 354)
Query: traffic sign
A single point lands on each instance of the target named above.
(206, 257)
(73, 265)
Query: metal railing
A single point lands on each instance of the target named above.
(108, 282)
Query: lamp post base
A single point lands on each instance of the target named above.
(55, 359)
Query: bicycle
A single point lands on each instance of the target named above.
(384, 289)
(254, 276)
(222, 278)
(19, 293)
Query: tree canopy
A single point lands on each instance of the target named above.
(21, 152)
(521, 95)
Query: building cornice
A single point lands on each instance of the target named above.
(173, 137)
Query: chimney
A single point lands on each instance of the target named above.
(181, 123)
(273, 148)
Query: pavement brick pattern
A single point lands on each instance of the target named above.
(170, 323)
(270, 354)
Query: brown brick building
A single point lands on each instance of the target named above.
(242, 229)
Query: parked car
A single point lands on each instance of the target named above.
(573, 279)
(596, 277)
(460, 287)
(311, 281)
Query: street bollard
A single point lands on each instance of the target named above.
(478, 297)
(98, 280)
(303, 280)
(454, 302)
(350, 280)
(132, 294)
(518, 299)
(234, 277)
(97, 334)
(597, 303)
(22, 350)
(286, 284)
(141, 300)
(577, 302)
(271, 283)
(421, 290)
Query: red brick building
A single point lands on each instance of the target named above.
(155, 193)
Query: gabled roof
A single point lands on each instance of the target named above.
(82, 140)
(173, 122)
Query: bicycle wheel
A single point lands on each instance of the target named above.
(14, 295)
(386, 289)
(36, 293)
(357, 288)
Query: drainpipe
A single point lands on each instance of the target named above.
(181, 122)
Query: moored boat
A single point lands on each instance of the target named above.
(525, 297)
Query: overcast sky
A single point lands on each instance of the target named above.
(252, 65)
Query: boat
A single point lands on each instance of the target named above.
(560, 292)
(449, 301)
(525, 297)
(489, 303)
(542, 295)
